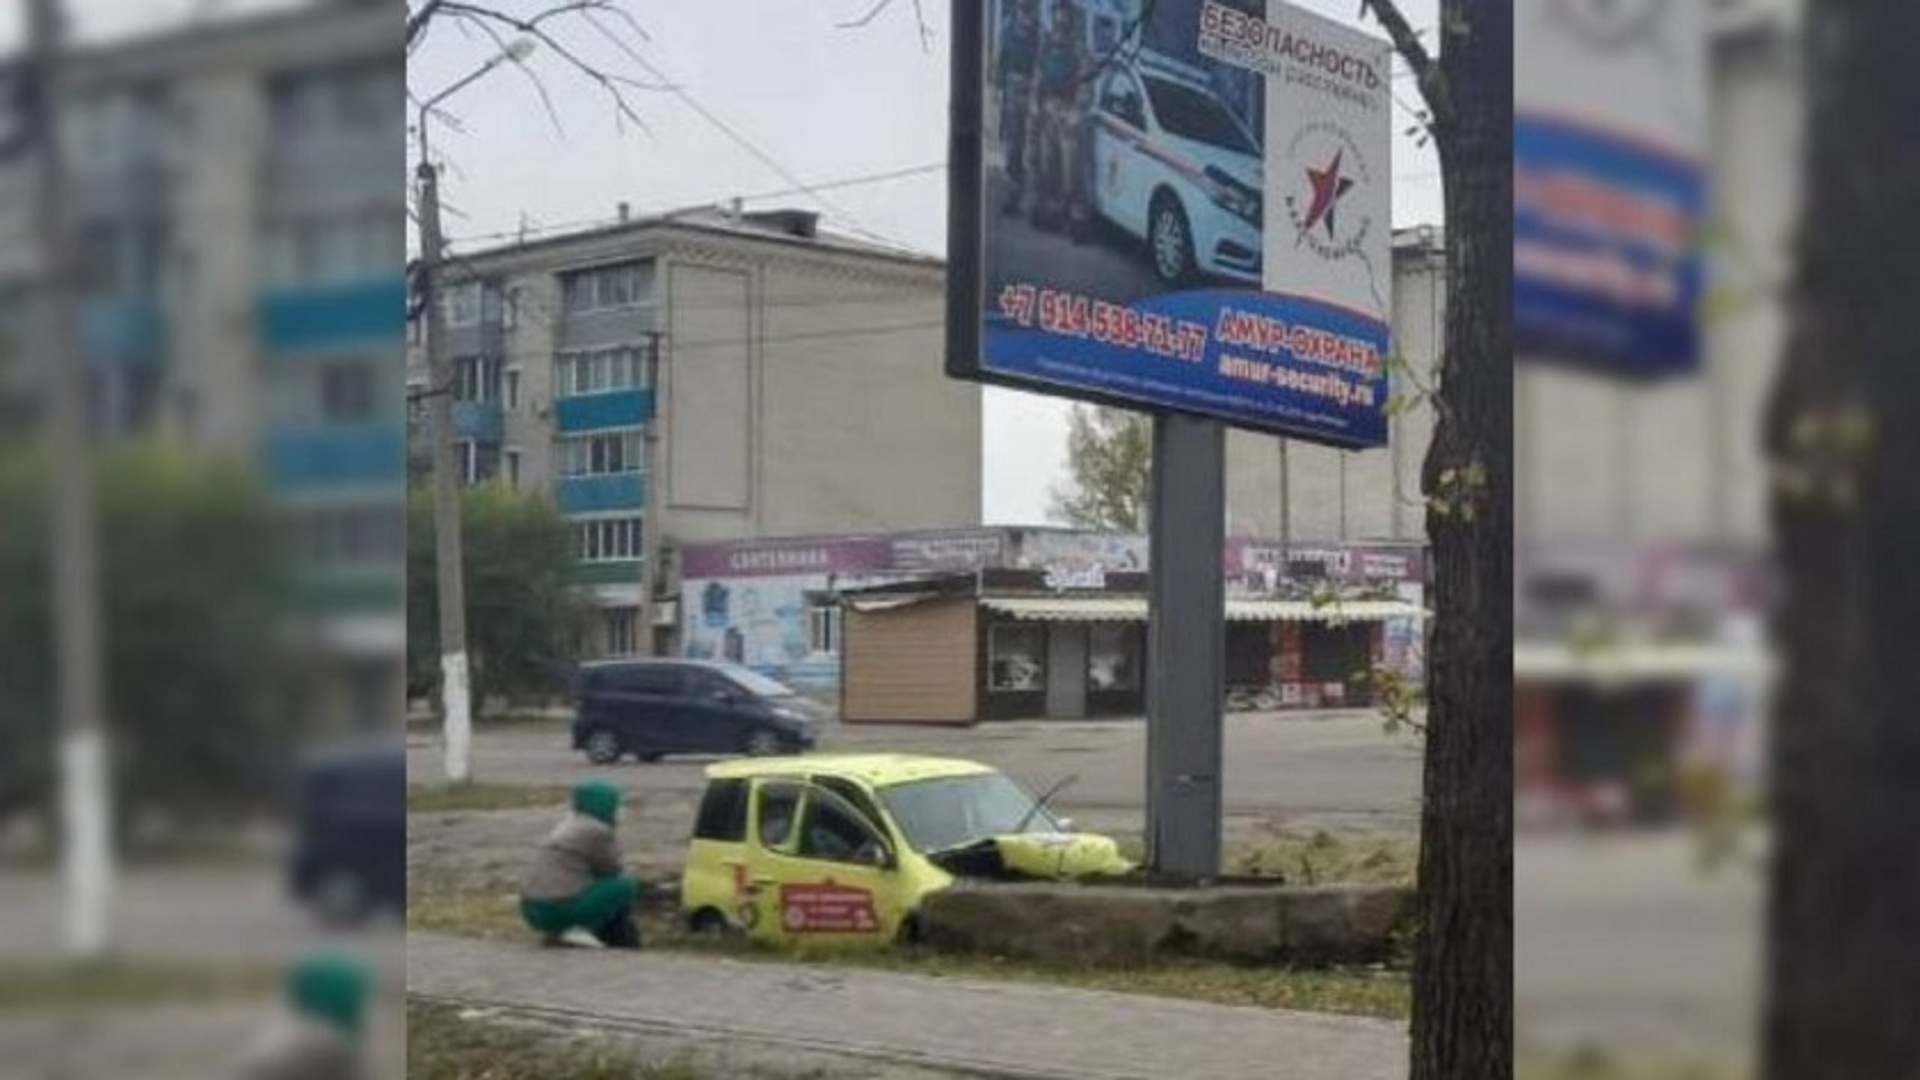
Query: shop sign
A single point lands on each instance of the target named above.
(1066, 578)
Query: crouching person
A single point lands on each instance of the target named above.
(320, 1037)
(575, 893)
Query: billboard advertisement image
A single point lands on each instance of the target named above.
(1609, 192)
(1175, 205)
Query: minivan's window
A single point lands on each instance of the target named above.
(755, 683)
(935, 815)
(779, 803)
(1188, 113)
(648, 679)
(723, 813)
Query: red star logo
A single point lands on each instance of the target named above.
(1328, 188)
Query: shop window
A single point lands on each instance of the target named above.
(1017, 659)
(1113, 659)
(823, 629)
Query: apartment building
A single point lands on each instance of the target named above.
(794, 377)
(241, 228)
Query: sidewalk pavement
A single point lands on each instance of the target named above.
(1008, 1030)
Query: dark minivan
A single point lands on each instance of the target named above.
(349, 859)
(652, 708)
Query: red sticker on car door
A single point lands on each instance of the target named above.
(827, 909)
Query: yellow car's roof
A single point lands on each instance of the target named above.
(873, 770)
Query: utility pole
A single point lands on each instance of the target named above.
(456, 698)
(456, 686)
(86, 807)
(650, 525)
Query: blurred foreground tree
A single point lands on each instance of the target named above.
(193, 589)
(1843, 436)
(1109, 459)
(521, 609)
(1463, 910)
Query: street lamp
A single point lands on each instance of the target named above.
(456, 699)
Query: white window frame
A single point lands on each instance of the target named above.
(623, 622)
(609, 539)
(576, 453)
(823, 629)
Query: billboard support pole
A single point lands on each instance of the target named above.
(1186, 651)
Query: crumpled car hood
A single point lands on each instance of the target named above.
(1043, 856)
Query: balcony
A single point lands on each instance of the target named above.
(600, 412)
(320, 317)
(122, 332)
(595, 494)
(336, 457)
(479, 421)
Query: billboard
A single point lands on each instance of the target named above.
(1174, 205)
(1609, 192)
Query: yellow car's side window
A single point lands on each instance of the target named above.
(778, 810)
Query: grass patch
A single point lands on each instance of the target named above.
(1320, 859)
(131, 984)
(491, 915)
(443, 1046)
(444, 798)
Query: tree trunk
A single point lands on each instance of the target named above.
(1843, 432)
(1463, 954)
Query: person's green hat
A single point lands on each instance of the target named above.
(332, 988)
(599, 801)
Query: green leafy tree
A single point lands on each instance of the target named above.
(1109, 462)
(193, 592)
(522, 616)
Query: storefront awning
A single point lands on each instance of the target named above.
(1555, 662)
(1134, 609)
(888, 602)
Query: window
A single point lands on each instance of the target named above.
(608, 540)
(606, 288)
(600, 455)
(599, 371)
(461, 304)
(823, 629)
(510, 389)
(651, 680)
(476, 378)
(1113, 658)
(510, 308)
(723, 812)
(345, 245)
(479, 462)
(779, 803)
(513, 468)
(356, 536)
(1017, 659)
(346, 392)
(620, 627)
(836, 832)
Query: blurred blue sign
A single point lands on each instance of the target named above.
(1609, 201)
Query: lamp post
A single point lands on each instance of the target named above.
(456, 699)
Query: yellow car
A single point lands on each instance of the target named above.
(842, 849)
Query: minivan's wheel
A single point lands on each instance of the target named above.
(763, 743)
(652, 757)
(342, 899)
(603, 747)
(1171, 240)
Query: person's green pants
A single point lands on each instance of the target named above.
(590, 909)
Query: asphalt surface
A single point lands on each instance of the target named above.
(1017, 1032)
(1297, 772)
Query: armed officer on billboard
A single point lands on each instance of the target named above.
(1019, 52)
(1063, 96)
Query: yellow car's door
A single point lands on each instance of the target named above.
(820, 870)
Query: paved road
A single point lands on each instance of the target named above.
(1298, 772)
(1017, 1032)
(1622, 942)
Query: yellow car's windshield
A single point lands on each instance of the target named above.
(954, 811)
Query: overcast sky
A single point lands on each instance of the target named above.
(816, 101)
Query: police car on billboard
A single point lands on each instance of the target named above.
(1174, 167)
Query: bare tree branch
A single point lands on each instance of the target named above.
(1406, 42)
(418, 20)
(879, 8)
